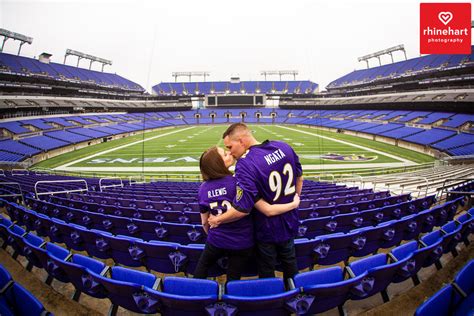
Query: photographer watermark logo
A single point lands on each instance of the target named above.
(445, 28)
(445, 17)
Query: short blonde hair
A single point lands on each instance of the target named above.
(234, 128)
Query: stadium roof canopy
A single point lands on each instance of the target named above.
(230, 87)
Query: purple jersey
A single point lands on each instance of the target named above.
(269, 171)
(216, 196)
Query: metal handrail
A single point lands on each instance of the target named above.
(23, 172)
(375, 182)
(350, 178)
(419, 178)
(14, 194)
(63, 191)
(318, 176)
(110, 185)
(40, 172)
(141, 180)
(440, 192)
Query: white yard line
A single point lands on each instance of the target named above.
(406, 161)
(119, 147)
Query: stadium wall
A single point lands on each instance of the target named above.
(388, 140)
(59, 151)
(422, 149)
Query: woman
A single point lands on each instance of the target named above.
(233, 240)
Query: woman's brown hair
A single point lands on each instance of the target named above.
(212, 165)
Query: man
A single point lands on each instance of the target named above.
(272, 171)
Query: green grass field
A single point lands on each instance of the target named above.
(177, 150)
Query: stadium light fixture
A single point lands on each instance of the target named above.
(387, 51)
(190, 74)
(16, 37)
(279, 73)
(70, 52)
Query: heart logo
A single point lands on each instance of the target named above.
(445, 17)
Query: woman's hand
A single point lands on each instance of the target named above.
(296, 201)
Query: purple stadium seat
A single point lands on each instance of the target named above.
(261, 296)
(125, 288)
(186, 296)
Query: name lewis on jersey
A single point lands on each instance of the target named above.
(274, 156)
(216, 192)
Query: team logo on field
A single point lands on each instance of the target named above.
(353, 158)
(239, 193)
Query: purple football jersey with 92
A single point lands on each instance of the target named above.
(269, 171)
(216, 196)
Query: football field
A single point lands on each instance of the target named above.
(177, 150)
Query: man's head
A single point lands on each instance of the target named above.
(237, 139)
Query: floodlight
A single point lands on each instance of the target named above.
(190, 74)
(70, 52)
(15, 36)
(377, 55)
(279, 73)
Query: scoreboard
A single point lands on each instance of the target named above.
(235, 100)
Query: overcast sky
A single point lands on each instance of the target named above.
(147, 40)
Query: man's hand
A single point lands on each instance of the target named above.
(213, 221)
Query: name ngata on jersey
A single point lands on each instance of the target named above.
(274, 156)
